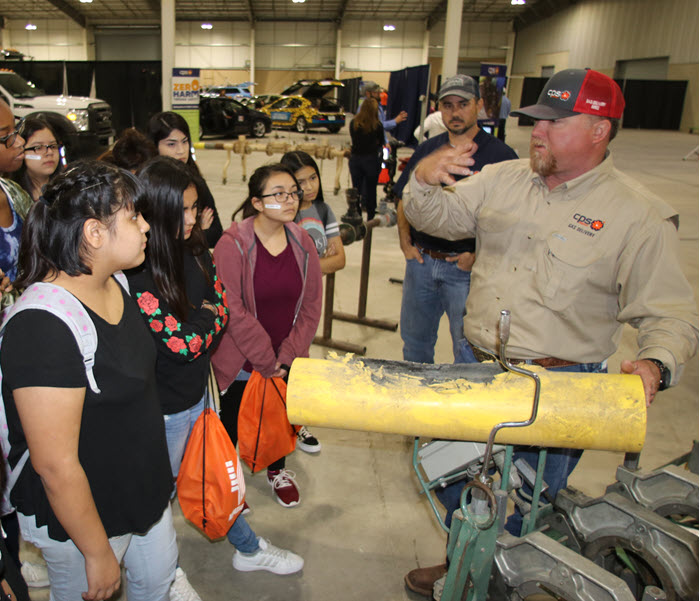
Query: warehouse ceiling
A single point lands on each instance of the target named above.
(104, 13)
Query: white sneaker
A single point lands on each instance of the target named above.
(181, 589)
(35, 575)
(307, 442)
(268, 557)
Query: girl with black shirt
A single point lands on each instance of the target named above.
(171, 135)
(87, 498)
(367, 135)
(184, 306)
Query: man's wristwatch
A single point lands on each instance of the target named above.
(665, 380)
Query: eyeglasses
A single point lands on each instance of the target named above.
(46, 148)
(282, 196)
(9, 139)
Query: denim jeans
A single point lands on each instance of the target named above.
(150, 560)
(364, 172)
(178, 427)
(560, 462)
(429, 290)
(177, 432)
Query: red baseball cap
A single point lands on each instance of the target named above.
(575, 91)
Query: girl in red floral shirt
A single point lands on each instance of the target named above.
(184, 305)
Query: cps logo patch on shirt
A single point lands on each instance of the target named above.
(586, 225)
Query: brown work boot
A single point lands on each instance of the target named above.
(421, 580)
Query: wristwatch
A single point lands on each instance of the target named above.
(665, 380)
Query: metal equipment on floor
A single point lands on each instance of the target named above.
(354, 228)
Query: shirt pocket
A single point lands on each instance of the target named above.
(569, 270)
(493, 229)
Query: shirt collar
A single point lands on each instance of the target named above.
(582, 183)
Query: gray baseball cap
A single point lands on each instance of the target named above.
(575, 91)
(459, 85)
(370, 86)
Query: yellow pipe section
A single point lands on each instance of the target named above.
(576, 410)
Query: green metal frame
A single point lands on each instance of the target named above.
(476, 527)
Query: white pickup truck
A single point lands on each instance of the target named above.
(87, 114)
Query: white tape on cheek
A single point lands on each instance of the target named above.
(32, 157)
(273, 206)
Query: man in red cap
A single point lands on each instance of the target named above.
(571, 246)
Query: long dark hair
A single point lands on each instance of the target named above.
(28, 128)
(160, 126)
(52, 238)
(165, 180)
(256, 187)
(296, 159)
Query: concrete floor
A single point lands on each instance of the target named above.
(362, 524)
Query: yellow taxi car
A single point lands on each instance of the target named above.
(300, 114)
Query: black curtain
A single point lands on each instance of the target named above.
(79, 76)
(47, 75)
(349, 96)
(133, 104)
(405, 88)
(652, 104)
(532, 86)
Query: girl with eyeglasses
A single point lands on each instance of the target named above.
(171, 135)
(271, 271)
(42, 156)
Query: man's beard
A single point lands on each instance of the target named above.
(458, 128)
(542, 165)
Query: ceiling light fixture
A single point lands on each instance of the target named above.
(207, 26)
(85, 1)
(30, 27)
(298, 1)
(389, 27)
(517, 2)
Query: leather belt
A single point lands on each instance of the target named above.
(546, 362)
(435, 254)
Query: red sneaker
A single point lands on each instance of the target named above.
(284, 487)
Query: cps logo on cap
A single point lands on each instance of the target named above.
(559, 94)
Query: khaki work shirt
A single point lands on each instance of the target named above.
(572, 264)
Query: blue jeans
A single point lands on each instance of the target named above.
(150, 560)
(177, 432)
(560, 462)
(429, 290)
(178, 427)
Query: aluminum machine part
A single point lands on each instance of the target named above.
(538, 565)
(671, 491)
(629, 540)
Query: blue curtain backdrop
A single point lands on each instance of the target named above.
(405, 88)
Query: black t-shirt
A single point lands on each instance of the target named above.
(491, 150)
(122, 446)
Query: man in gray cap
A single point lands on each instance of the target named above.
(571, 246)
(438, 270)
(374, 90)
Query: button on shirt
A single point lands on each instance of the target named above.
(572, 264)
